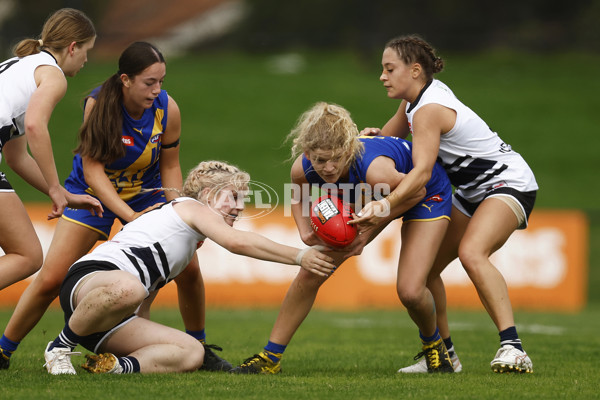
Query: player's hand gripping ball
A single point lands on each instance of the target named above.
(328, 218)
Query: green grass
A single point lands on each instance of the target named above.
(338, 355)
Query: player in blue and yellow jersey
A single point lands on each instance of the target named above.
(434, 205)
(128, 150)
(329, 153)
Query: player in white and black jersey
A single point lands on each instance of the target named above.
(31, 85)
(102, 291)
(495, 188)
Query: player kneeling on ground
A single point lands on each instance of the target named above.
(102, 291)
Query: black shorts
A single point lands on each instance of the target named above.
(77, 272)
(4, 184)
(525, 199)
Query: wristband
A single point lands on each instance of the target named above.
(300, 255)
(387, 207)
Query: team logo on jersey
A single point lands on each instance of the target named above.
(155, 138)
(436, 197)
(505, 148)
(497, 186)
(128, 140)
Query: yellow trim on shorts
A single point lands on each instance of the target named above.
(428, 219)
(87, 226)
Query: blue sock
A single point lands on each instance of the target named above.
(510, 336)
(8, 346)
(448, 343)
(198, 335)
(428, 339)
(274, 351)
(130, 364)
(67, 338)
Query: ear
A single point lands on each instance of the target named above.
(71, 48)
(203, 195)
(125, 80)
(416, 70)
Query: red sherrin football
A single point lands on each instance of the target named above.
(329, 216)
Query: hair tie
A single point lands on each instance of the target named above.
(41, 42)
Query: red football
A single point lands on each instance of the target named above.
(329, 216)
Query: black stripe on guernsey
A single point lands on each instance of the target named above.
(163, 260)
(474, 171)
(145, 254)
(137, 266)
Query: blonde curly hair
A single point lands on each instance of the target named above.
(214, 175)
(326, 126)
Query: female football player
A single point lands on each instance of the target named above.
(128, 145)
(495, 188)
(31, 85)
(328, 151)
(102, 290)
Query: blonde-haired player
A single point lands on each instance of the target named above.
(102, 291)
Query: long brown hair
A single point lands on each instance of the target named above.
(63, 27)
(100, 136)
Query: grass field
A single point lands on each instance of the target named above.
(235, 108)
(338, 355)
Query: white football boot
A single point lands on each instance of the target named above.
(510, 359)
(58, 360)
(421, 366)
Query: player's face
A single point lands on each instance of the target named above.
(78, 57)
(140, 91)
(330, 165)
(229, 202)
(397, 76)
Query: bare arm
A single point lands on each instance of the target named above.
(95, 176)
(398, 124)
(52, 86)
(307, 234)
(250, 244)
(429, 123)
(170, 169)
(19, 160)
(382, 171)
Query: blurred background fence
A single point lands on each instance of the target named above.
(359, 25)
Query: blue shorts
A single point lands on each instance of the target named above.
(103, 224)
(435, 205)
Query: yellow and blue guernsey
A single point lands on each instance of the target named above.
(137, 170)
(437, 202)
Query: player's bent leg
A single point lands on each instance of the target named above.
(296, 305)
(490, 227)
(69, 243)
(488, 230)
(22, 249)
(157, 348)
